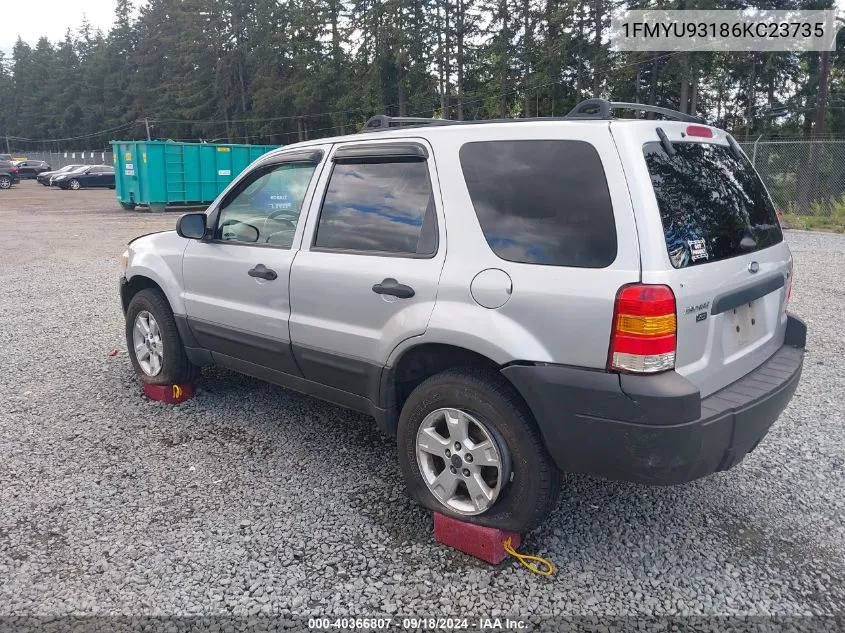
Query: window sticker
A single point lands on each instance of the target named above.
(698, 249)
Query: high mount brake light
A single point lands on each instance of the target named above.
(699, 130)
(643, 339)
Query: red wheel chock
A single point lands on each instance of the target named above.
(476, 540)
(170, 394)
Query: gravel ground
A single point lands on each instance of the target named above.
(253, 499)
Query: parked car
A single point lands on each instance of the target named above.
(8, 174)
(6, 158)
(613, 298)
(87, 177)
(31, 168)
(45, 176)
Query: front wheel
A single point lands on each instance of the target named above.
(74, 185)
(469, 448)
(5, 182)
(152, 339)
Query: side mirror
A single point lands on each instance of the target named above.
(191, 226)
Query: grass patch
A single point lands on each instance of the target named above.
(814, 222)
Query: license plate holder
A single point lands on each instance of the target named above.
(745, 324)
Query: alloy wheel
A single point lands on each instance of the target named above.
(460, 460)
(149, 348)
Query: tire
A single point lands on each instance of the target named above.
(175, 366)
(5, 182)
(531, 479)
(74, 184)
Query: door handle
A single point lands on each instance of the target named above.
(262, 272)
(392, 287)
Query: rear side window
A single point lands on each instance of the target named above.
(542, 202)
(379, 205)
(713, 205)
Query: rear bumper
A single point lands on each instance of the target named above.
(657, 429)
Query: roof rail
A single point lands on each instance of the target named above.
(591, 109)
(382, 122)
(669, 114)
(603, 109)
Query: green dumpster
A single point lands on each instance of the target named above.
(161, 173)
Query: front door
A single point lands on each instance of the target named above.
(236, 282)
(366, 278)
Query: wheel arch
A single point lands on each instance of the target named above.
(419, 361)
(149, 278)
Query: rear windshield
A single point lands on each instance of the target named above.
(542, 202)
(713, 206)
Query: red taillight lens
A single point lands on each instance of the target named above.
(699, 130)
(644, 329)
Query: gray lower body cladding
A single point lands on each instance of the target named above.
(656, 429)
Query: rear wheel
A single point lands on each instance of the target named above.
(469, 448)
(74, 184)
(152, 339)
(5, 182)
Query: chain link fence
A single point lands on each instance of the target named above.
(804, 178)
(61, 159)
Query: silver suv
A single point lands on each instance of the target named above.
(510, 299)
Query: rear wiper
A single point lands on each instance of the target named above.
(665, 142)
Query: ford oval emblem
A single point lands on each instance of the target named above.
(753, 267)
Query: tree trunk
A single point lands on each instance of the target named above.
(441, 79)
(504, 38)
(335, 35)
(684, 96)
(447, 61)
(693, 107)
(808, 184)
(527, 46)
(752, 97)
(652, 93)
(599, 56)
(460, 27)
(579, 76)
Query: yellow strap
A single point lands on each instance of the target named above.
(523, 558)
(177, 392)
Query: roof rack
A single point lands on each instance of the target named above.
(603, 109)
(382, 122)
(591, 109)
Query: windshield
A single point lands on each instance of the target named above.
(713, 205)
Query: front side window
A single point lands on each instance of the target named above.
(265, 207)
(379, 205)
(542, 201)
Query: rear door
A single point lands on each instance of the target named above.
(366, 277)
(106, 176)
(708, 229)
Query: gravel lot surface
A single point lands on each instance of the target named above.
(252, 499)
